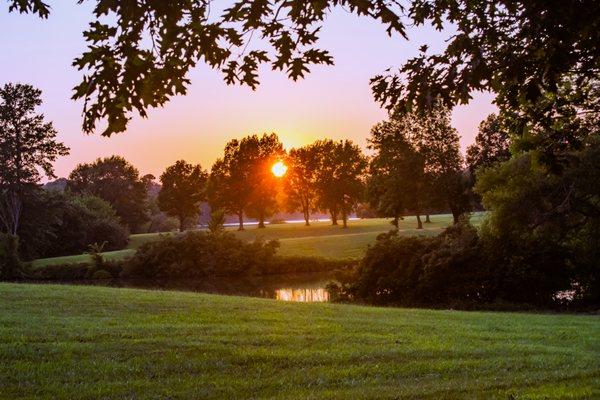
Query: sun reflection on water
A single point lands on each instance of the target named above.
(302, 295)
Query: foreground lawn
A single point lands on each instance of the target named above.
(64, 342)
(321, 239)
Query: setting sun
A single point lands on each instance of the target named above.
(279, 169)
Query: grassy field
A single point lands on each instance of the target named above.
(65, 342)
(321, 239)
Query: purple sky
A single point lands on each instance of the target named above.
(333, 102)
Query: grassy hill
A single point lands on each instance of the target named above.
(321, 239)
(64, 342)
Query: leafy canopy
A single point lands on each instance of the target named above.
(139, 52)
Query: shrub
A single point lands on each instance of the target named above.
(58, 224)
(10, 264)
(101, 274)
(198, 254)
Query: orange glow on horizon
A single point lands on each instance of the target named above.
(279, 169)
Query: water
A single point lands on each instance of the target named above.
(309, 287)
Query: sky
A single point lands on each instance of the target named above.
(331, 102)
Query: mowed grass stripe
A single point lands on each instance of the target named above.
(92, 342)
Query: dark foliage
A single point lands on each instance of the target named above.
(75, 272)
(58, 224)
(118, 182)
(196, 254)
(10, 263)
(140, 53)
(460, 268)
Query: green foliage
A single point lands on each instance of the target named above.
(197, 254)
(74, 272)
(340, 177)
(183, 188)
(10, 263)
(417, 165)
(58, 224)
(116, 181)
(492, 144)
(546, 222)
(421, 270)
(216, 224)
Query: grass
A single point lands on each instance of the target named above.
(321, 239)
(64, 342)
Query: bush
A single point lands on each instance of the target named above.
(75, 272)
(459, 268)
(10, 264)
(199, 254)
(101, 274)
(58, 224)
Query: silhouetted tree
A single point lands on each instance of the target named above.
(397, 170)
(116, 181)
(183, 188)
(340, 177)
(261, 153)
(28, 146)
(300, 184)
(241, 182)
(492, 144)
(438, 143)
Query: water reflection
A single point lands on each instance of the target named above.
(302, 295)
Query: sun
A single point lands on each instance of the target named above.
(279, 169)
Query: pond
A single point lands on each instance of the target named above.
(310, 287)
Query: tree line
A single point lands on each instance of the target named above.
(416, 168)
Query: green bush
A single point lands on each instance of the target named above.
(75, 272)
(10, 264)
(101, 274)
(58, 224)
(199, 254)
(459, 268)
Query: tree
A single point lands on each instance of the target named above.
(58, 224)
(241, 181)
(140, 56)
(28, 145)
(261, 153)
(300, 184)
(340, 177)
(183, 188)
(397, 170)
(438, 143)
(116, 181)
(492, 144)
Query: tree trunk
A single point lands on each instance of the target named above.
(333, 218)
(427, 220)
(306, 218)
(241, 220)
(261, 219)
(455, 216)
(419, 222)
(181, 223)
(395, 221)
(344, 220)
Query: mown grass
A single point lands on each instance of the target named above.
(66, 342)
(321, 239)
